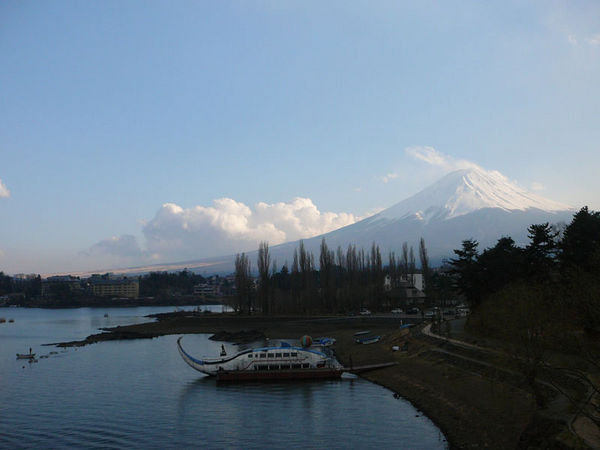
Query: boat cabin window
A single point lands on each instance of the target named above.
(249, 355)
(273, 367)
(262, 355)
(271, 355)
(286, 355)
(305, 366)
(294, 355)
(296, 366)
(278, 355)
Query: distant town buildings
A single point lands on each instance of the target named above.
(114, 286)
(216, 286)
(408, 289)
(60, 284)
(97, 285)
(111, 286)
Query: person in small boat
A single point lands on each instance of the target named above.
(30, 350)
(223, 352)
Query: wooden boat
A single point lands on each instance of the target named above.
(368, 340)
(361, 333)
(25, 355)
(283, 362)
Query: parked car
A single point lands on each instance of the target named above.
(397, 311)
(365, 312)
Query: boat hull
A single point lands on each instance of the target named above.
(300, 374)
(366, 341)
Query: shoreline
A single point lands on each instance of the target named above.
(471, 409)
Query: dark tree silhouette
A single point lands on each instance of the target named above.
(465, 269)
(263, 263)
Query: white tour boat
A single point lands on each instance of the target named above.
(264, 363)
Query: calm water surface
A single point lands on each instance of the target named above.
(140, 394)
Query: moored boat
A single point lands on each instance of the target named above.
(25, 355)
(368, 340)
(280, 362)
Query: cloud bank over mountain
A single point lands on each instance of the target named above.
(226, 227)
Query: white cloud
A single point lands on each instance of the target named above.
(4, 192)
(229, 226)
(431, 156)
(594, 39)
(125, 246)
(390, 176)
(572, 39)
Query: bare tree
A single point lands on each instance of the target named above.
(242, 282)
(405, 260)
(424, 262)
(326, 267)
(263, 263)
(411, 264)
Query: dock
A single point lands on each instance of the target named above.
(361, 369)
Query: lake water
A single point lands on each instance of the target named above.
(140, 394)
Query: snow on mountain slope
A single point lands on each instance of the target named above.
(464, 191)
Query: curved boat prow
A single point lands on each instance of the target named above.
(190, 360)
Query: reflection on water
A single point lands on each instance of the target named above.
(141, 394)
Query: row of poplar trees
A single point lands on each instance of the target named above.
(345, 281)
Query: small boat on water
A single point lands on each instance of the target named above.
(25, 355)
(368, 340)
(280, 362)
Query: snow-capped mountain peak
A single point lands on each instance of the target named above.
(465, 191)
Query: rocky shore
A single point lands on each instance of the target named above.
(475, 402)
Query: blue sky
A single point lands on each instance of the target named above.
(127, 124)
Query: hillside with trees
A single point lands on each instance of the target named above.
(541, 305)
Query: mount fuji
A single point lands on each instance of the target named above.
(469, 203)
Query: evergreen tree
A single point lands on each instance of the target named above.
(499, 265)
(581, 240)
(465, 270)
(540, 253)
